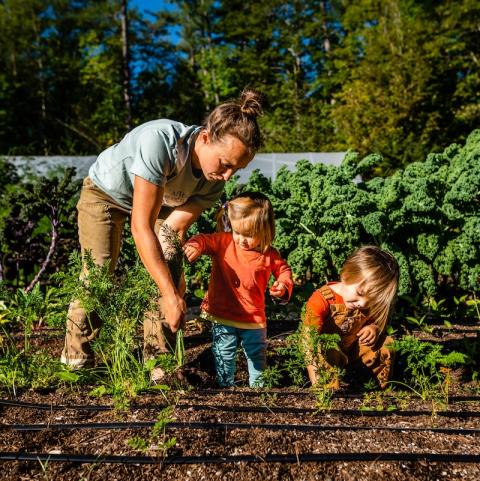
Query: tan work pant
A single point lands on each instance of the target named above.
(100, 225)
(377, 358)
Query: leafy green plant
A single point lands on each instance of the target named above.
(322, 215)
(297, 352)
(323, 389)
(37, 227)
(426, 368)
(157, 440)
(119, 304)
(420, 323)
(33, 370)
(270, 378)
(316, 349)
(292, 360)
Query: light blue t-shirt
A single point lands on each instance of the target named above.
(160, 152)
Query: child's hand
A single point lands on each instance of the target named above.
(367, 335)
(192, 253)
(278, 289)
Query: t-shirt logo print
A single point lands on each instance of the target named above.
(175, 198)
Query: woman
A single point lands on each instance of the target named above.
(161, 171)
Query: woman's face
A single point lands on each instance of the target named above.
(221, 159)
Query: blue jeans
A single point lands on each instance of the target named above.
(224, 347)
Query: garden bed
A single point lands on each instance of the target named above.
(239, 433)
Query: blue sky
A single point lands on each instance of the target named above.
(152, 5)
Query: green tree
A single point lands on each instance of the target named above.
(408, 88)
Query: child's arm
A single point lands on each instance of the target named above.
(201, 244)
(283, 285)
(316, 309)
(312, 373)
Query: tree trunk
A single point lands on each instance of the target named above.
(326, 40)
(126, 64)
(43, 96)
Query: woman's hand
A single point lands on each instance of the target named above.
(367, 335)
(191, 252)
(174, 310)
(278, 289)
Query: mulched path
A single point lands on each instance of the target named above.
(224, 406)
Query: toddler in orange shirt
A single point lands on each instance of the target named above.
(243, 261)
(357, 309)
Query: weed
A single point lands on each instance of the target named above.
(167, 361)
(301, 348)
(157, 439)
(323, 392)
(44, 468)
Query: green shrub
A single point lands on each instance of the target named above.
(427, 215)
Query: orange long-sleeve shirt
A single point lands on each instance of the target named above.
(239, 277)
(339, 320)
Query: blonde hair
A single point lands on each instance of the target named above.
(254, 211)
(378, 272)
(238, 118)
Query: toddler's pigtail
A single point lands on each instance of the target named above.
(221, 217)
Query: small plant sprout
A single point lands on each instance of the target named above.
(420, 323)
(180, 349)
(377, 401)
(157, 441)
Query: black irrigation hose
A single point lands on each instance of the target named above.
(345, 412)
(230, 426)
(245, 458)
(246, 409)
(54, 407)
(307, 392)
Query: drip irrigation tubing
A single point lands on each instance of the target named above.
(245, 458)
(306, 392)
(246, 409)
(230, 426)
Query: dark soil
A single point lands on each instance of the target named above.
(222, 406)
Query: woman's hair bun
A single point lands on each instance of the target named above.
(253, 102)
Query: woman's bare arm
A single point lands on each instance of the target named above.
(147, 202)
